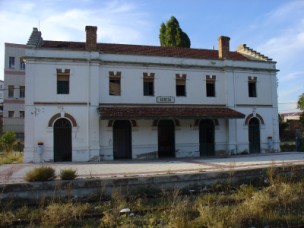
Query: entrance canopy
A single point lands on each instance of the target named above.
(160, 111)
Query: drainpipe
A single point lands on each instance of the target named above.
(88, 105)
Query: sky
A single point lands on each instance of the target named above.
(274, 28)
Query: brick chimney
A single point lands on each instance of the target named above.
(91, 38)
(223, 46)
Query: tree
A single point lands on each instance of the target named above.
(8, 140)
(301, 102)
(301, 107)
(171, 35)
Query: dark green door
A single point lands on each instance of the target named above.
(206, 137)
(122, 139)
(166, 138)
(62, 141)
(254, 136)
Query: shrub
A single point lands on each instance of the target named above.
(68, 174)
(8, 140)
(43, 173)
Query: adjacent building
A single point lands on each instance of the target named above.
(89, 101)
(14, 89)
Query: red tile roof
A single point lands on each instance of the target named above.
(142, 111)
(127, 49)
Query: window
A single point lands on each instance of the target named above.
(22, 64)
(114, 85)
(21, 114)
(21, 91)
(181, 85)
(11, 114)
(10, 91)
(63, 81)
(210, 85)
(252, 86)
(11, 62)
(148, 84)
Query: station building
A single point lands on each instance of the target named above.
(90, 101)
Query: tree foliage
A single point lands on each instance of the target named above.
(301, 102)
(301, 107)
(171, 35)
(8, 140)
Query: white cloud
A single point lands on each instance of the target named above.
(117, 21)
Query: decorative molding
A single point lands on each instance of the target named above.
(197, 121)
(66, 115)
(252, 54)
(133, 123)
(256, 115)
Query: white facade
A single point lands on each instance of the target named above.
(14, 90)
(85, 106)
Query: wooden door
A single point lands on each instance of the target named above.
(122, 148)
(254, 136)
(206, 137)
(62, 140)
(166, 138)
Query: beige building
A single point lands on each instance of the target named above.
(14, 89)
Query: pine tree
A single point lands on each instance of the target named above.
(171, 35)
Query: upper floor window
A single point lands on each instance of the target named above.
(252, 91)
(210, 85)
(11, 62)
(22, 91)
(11, 114)
(22, 64)
(114, 83)
(21, 114)
(149, 84)
(63, 81)
(10, 91)
(181, 85)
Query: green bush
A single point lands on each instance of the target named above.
(43, 173)
(8, 141)
(68, 174)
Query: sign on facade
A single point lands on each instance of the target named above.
(165, 99)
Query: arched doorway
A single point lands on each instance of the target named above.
(254, 135)
(166, 138)
(122, 144)
(62, 140)
(206, 137)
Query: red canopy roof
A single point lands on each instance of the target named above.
(143, 111)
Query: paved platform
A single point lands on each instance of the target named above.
(15, 173)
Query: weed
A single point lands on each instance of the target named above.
(68, 174)
(11, 158)
(64, 214)
(43, 173)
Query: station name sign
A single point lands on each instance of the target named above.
(165, 99)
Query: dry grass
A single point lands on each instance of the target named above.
(278, 204)
(43, 173)
(68, 174)
(11, 158)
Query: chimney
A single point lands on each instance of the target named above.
(223, 46)
(91, 38)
